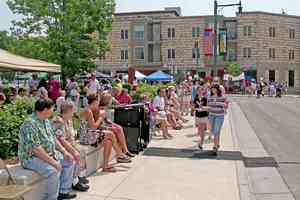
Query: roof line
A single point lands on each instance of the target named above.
(147, 12)
(269, 13)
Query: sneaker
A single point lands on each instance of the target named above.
(215, 151)
(124, 160)
(62, 196)
(130, 155)
(80, 187)
(83, 180)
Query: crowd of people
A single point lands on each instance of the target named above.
(51, 145)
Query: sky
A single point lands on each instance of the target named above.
(189, 7)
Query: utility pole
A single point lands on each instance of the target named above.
(216, 6)
(215, 39)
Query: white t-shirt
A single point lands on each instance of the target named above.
(94, 86)
(159, 102)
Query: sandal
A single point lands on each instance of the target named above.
(124, 160)
(200, 147)
(109, 170)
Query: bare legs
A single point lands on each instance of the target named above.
(111, 136)
(164, 128)
(201, 132)
(107, 152)
(119, 133)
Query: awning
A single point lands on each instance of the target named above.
(11, 62)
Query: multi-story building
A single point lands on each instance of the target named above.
(270, 43)
(263, 42)
(155, 40)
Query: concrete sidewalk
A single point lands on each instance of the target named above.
(177, 176)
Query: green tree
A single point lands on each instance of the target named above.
(72, 33)
(233, 69)
(5, 40)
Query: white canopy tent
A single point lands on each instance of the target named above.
(138, 75)
(11, 62)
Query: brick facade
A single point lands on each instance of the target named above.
(157, 42)
(260, 42)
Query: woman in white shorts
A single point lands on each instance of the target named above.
(201, 115)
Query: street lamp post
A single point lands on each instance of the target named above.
(216, 6)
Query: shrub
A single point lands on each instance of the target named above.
(151, 90)
(11, 118)
(127, 86)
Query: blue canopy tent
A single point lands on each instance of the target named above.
(159, 76)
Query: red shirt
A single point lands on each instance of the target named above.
(124, 99)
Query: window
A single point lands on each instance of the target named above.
(139, 32)
(291, 78)
(247, 52)
(271, 53)
(292, 33)
(171, 32)
(124, 54)
(195, 32)
(272, 31)
(196, 51)
(171, 53)
(124, 34)
(139, 53)
(247, 30)
(291, 54)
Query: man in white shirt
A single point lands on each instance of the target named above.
(94, 85)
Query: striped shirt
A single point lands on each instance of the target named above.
(216, 105)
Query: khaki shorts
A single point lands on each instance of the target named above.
(202, 120)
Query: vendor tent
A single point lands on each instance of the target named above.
(99, 75)
(159, 76)
(11, 62)
(138, 75)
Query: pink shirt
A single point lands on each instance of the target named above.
(53, 89)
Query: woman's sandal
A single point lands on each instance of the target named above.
(109, 170)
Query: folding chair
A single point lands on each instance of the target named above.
(11, 191)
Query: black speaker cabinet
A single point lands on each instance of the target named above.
(133, 135)
(128, 116)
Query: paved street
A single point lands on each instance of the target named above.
(277, 124)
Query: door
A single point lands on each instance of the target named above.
(291, 78)
(272, 76)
